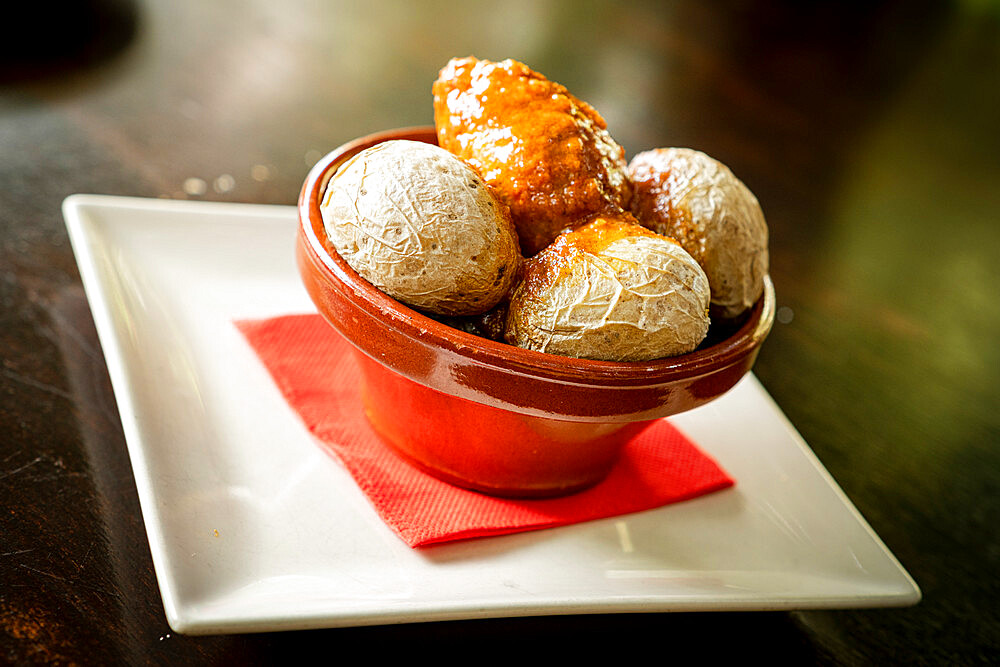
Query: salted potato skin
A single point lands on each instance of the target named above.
(610, 290)
(695, 199)
(422, 226)
(547, 154)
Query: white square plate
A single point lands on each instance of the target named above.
(253, 527)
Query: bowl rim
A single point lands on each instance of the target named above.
(745, 340)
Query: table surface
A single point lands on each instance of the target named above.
(869, 134)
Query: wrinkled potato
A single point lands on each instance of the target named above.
(546, 154)
(610, 290)
(422, 226)
(695, 199)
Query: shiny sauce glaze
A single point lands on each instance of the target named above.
(546, 154)
(656, 203)
(545, 268)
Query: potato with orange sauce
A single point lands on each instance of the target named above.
(691, 197)
(610, 290)
(546, 154)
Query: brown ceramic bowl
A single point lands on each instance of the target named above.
(489, 416)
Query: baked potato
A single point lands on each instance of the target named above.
(422, 226)
(695, 199)
(547, 154)
(610, 290)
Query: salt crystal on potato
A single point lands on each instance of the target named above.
(610, 290)
(695, 199)
(422, 226)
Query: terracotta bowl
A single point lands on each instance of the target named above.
(490, 416)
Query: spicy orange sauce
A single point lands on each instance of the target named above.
(545, 153)
(655, 208)
(545, 268)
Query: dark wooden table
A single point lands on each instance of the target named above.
(870, 135)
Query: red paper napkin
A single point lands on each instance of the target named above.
(315, 369)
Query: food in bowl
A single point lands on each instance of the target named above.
(695, 199)
(490, 416)
(521, 164)
(547, 154)
(610, 290)
(421, 225)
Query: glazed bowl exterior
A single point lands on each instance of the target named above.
(489, 416)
